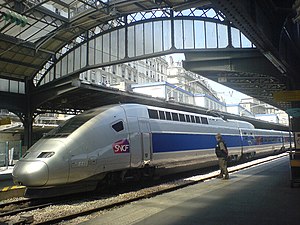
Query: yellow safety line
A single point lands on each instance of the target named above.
(17, 187)
(5, 189)
(11, 188)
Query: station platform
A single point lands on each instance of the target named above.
(258, 195)
(7, 188)
(5, 173)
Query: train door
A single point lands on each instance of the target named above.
(241, 139)
(248, 142)
(145, 140)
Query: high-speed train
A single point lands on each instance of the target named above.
(117, 142)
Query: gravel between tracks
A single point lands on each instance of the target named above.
(42, 215)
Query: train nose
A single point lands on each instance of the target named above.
(30, 174)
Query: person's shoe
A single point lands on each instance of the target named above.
(226, 178)
(220, 176)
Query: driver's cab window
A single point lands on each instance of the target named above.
(119, 126)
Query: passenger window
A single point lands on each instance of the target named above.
(204, 120)
(193, 119)
(118, 126)
(153, 114)
(175, 116)
(197, 119)
(182, 117)
(162, 115)
(188, 119)
(168, 116)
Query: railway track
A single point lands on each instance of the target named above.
(116, 200)
(15, 207)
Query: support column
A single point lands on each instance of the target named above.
(27, 117)
(229, 35)
(295, 122)
(27, 122)
(172, 30)
(126, 37)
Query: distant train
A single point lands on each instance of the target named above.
(117, 142)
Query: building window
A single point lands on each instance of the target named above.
(93, 76)
(85, 76)
(123, 72)
(129, 75)
(114, 68)
(180, 97)
(103, 79)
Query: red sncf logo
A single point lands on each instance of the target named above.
(121, 146)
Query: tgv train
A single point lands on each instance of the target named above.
(116, 142)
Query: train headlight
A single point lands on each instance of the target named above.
(31, 173)
(46, 154)
(36, 167)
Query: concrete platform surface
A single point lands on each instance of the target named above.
(258, 195)
(5, 173)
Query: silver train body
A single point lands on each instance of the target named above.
(129, 139)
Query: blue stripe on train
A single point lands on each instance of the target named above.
(163, 142)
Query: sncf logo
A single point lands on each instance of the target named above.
(121, 146)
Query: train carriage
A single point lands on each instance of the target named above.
(131, 140)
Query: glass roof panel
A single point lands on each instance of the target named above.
(42, 16)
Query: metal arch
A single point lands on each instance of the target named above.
(176, 33)
(119, 21)
(71, 19)
(43, 14)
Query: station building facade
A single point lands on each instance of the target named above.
(159, 78)
(137, 72)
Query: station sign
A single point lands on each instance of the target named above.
(287, 96)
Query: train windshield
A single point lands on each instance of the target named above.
(72, 124)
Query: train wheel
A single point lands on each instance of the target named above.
(137, 175)
(148, 171)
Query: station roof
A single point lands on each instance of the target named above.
(52, 24)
